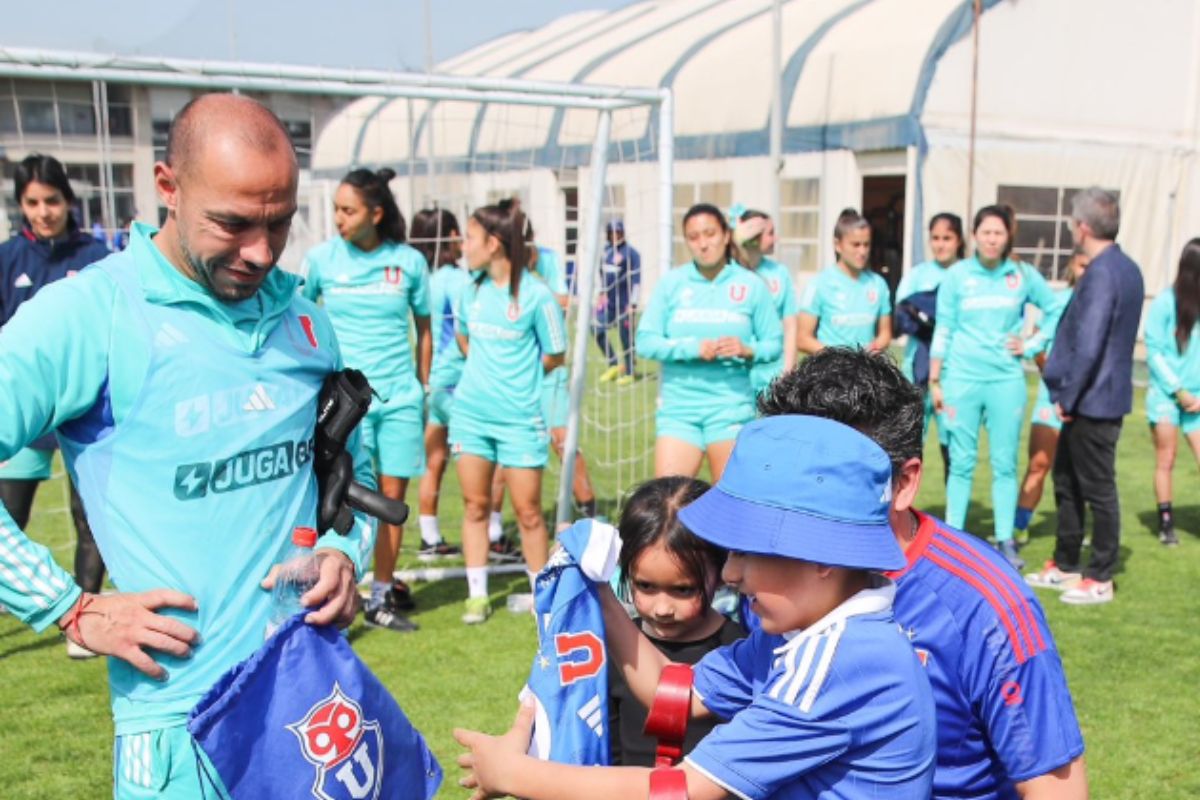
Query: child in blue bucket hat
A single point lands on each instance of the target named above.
(827, 699)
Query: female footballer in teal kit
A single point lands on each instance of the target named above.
(754, 240)
(371, 282)
(511, 330)
(438, 237)
(709, 322)
(947, 245)
(1173, 399)
(1044, 424)
(977, 350)
(846, 305)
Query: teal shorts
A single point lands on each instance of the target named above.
(393, 432)
(165, 764)
(556, 399)
(1043, 410)
(441, 400)
(1161, 407)
(720, 423)
(509, 445)
(29, 464)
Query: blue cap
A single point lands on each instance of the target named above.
(802, 487)
(615, 226)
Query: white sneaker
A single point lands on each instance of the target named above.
(78, 651)
(1051, 577)
(1089, 593)
(520, 603)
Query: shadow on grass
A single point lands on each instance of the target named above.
(1187, 520)
(41, 643)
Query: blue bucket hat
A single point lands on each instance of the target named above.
(806, 488)
(615, 226)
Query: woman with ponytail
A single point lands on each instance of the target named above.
(1173, 399)
(371, 284)
(511, 329)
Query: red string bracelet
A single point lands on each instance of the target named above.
(74, 614)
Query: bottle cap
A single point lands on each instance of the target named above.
(304, 537)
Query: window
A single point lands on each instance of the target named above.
(798, 228)
(300, 132)
(1043, 214)
(61, 108)
(717, 193)
(160, 129)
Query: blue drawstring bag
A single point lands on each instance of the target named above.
(304, 717)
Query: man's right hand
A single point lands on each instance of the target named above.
(125, 625)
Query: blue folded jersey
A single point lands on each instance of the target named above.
(569, 678)
(304, 717)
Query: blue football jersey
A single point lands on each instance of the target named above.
(569, 678)
(841, 710)
(1004, 711)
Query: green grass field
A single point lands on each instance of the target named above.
(1133, 665)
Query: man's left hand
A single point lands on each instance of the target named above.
(334, 598)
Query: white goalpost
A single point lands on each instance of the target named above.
(577, 155)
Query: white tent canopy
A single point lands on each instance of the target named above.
(1069, 94)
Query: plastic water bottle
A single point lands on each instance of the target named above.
(298, 574)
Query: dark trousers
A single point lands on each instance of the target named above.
(1085, 477)
(605, 344)
(17, 496)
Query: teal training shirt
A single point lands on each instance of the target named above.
(1171, 370)
(687, 308)
(847, 309)
(783, 293)
(978, 309)
(924, 277)
(187, 426)
(501, 383)
(369, 297)
(550, 270)
(1043, 338)
(445, 285)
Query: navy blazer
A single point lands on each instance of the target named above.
(1090, 369)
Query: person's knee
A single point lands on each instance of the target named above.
(529, 515)
(476, 508)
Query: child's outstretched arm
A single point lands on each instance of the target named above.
(640, 662)
(498, 766)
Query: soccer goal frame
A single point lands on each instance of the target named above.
(100, 70)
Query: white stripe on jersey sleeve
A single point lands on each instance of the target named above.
(831, 642)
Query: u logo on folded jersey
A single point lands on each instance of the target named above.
(393, 275)
(737, 292)
(571, 668)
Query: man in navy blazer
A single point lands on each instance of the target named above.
(1090, 378)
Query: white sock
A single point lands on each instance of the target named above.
(495, 526)
(378, 590)
(431, 534)
(477, 582)
(532, 581)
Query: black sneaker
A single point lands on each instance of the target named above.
(1167, 537)
(503, 551)
(399, 597)
(383, 617)
(436, 552)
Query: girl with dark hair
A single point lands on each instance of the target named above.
(947, 245)
(371, 284)
(977, 349)
(846, 305)
(1044, 425)
(670, 575)
(48, 248)
(437, 236)
(754, 244)
(512, 332)
(709, 322)
(1173, 399)
(545, 266)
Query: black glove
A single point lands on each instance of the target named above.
(342, 404)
